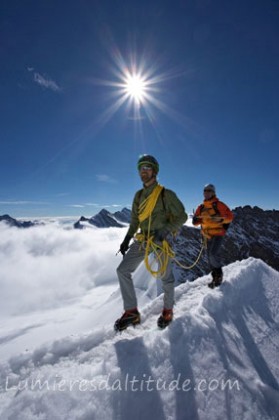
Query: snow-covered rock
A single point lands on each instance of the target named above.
(105, 219)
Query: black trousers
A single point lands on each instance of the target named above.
(214, 245)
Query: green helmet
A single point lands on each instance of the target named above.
(148, 160)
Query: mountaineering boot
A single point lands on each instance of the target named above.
(217, 278)
(130, 317)
(165, 318)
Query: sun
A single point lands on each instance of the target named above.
(135, 87)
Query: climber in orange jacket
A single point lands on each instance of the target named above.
(214, 217)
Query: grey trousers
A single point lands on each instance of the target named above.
(214, 251)
(126, 268)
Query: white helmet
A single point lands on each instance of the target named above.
(210, 187)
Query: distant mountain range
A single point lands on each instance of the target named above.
(253, 233)
(105, 219)
(14, 222)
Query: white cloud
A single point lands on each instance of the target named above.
(106, 178)
(46, 82)
(22, 202)
(48, 267)
(111, 205)
(101, 206)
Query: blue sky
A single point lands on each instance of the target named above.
(211, 113)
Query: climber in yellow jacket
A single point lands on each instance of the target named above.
(214, 216)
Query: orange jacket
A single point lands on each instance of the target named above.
(212, 215)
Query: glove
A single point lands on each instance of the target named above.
(125, 244)
(196, 220)
(160, 235)
(217, 219)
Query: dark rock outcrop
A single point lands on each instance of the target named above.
(253, 233)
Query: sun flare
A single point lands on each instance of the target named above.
(135, 87)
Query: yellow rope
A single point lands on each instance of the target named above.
(197, 260)
(162, 253)
(147, 206)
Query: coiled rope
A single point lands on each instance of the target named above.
(162, 252)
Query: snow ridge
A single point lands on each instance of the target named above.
(217, 360)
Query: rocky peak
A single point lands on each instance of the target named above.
(253, 233)
(14, 222)
(106, 219)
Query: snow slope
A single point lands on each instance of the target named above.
(218, 359)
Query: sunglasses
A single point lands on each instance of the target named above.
(208, 191)
(145, 168)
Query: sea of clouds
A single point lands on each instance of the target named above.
(49, 266)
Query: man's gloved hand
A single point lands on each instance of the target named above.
(217, 219)
(160, 235)
(125, 244)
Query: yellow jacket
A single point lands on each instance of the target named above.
(212, 215)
